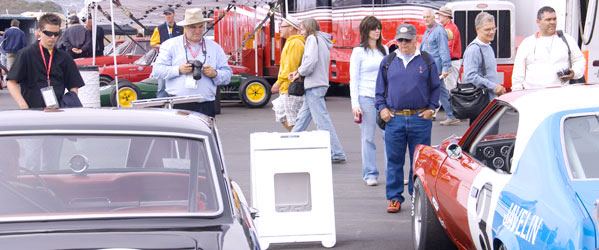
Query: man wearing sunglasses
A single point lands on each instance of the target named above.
(406, 100)
(41, 73)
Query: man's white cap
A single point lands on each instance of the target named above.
(291, 21)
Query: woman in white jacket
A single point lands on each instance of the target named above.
(315, 72)
(363, 70)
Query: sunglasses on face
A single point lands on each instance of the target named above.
(50, 33)
(403, 40)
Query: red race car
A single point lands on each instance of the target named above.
(127, 52)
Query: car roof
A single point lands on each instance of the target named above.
(105, 119)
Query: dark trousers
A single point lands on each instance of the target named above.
(206, 108)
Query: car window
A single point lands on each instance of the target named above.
(85, 175)
(581, 144)
(146, 59)
(121, 48)
(139, 48)
(494, 142)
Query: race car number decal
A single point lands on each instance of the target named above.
(522, 223)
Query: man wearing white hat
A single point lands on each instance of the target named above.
(287, 106)
(193, 65)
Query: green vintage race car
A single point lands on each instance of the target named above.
(252, 91)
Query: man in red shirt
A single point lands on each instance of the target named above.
(455, 45)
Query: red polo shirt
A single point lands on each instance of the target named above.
(455, 44)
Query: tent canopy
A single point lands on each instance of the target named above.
(149, 12)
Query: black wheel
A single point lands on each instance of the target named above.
(217, 101)
(427, 230)
(128, 92)
(254, 92)
(105, 80)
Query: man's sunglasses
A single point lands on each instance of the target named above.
(50, 33)
(401, 40)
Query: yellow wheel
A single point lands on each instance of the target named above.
(128, 92)
(126, 95)
(255, 92)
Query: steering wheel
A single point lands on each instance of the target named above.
(44, 185)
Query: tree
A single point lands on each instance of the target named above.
(16, 7)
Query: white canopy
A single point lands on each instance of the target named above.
(149, 12)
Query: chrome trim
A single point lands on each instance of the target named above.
(203, 138)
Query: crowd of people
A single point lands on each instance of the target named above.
(403, 89)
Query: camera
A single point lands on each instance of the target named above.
(563, 72)
(196, 69)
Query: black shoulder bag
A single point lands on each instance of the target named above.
(468, 100)
(379, 121)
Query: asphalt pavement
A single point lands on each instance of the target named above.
(360, 211)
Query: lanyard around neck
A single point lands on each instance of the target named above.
(194, 55)
(168, 30)
(433, 28)
(48, 66)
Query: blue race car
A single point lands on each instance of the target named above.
(524, 176)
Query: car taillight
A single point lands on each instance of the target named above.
(596, 63)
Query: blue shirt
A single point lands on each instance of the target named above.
(434, 41)
(411, 85)
(172, 55)
(473, 66)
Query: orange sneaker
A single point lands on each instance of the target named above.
(394, 206)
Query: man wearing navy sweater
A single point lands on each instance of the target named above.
(411, 99)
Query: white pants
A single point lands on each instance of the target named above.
(452, 78)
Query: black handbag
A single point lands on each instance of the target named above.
(468, 100)
(296, 88)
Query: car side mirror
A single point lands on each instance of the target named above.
(454, 151)
(254, 213)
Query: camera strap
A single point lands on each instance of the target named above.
(194, 55)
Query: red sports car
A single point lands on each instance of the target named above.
(127, 52)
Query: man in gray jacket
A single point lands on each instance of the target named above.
(315, 72)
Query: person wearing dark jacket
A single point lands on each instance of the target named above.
(13, 41)
(407, 103)
(89, 40)
(73, 40)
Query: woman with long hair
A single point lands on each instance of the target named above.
(314, 69)
(363, 70)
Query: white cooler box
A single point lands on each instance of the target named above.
(292, 187)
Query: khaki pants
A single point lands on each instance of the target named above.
(10, 59)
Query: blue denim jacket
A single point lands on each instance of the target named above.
(434, 41)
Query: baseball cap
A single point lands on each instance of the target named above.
(168, 11)
(405, 31)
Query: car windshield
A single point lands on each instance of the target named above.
(108, 176)
(581, 144)
(146, 59)
(120, 49)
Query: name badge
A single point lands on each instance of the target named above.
(49, 97)
(190, 83)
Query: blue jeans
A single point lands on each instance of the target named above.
(402, 131)
(161, 91)
(367, 129)
(315, 107)
(444, 99)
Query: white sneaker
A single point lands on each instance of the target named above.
(371, 182)
(449, 122)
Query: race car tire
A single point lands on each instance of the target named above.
(254, 92)
(128, 92)
(427, 230)
(105, 80)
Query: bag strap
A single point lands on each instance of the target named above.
(560, 34)
(390, 58)
(427, 59)
(482, 57)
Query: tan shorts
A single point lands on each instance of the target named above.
(287, 107)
